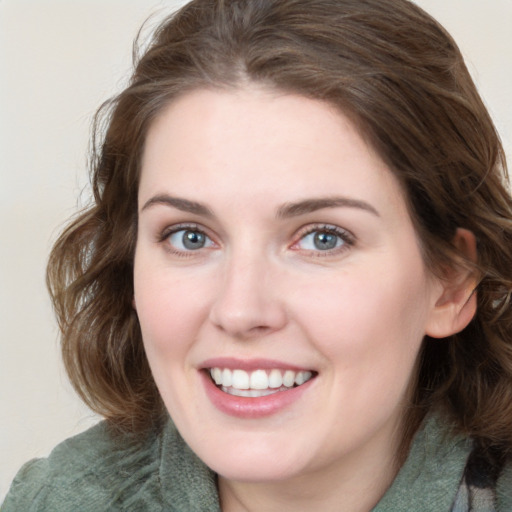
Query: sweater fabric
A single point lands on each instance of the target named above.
(95, 472)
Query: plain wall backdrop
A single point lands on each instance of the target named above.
(59, 60)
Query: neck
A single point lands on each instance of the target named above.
(356, 485)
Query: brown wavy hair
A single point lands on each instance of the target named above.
(402, 80)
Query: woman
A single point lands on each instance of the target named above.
(299, 251)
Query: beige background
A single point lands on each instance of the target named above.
(58, 61)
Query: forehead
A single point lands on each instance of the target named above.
(230, 144)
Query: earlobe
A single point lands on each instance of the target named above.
(456, 303)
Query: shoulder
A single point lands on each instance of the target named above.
(89, 472)
(504, 489)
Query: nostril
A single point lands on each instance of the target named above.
(247, 324)
(260, 329)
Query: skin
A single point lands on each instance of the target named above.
(260, 288)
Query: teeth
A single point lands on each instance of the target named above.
(240, 379)
(302, 377)
(251, 393)
(289, 378)
(227, 377)
(275, 379)
(259, 379)
(217, 375)
(259, 382)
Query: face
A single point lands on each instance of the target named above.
(279, 285)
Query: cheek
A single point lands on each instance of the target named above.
(367, 320)
(170, 306)
(171, 309)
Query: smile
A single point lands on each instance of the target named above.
(257, 383)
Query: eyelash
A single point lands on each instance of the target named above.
(169, 231)
(347, 239)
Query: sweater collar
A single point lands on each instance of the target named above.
(186, 482)
(431, 475)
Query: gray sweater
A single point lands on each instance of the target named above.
(93, 472)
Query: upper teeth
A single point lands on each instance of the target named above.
(258, 379)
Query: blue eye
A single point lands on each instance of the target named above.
(189, 240)
(325, 239)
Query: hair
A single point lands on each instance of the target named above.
(401, 79)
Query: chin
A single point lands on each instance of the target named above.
(259, 462)
(261, 471)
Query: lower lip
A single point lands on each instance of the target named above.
(250, 408)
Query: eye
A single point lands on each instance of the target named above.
(190, 239)
(321, 241)
(327, 239)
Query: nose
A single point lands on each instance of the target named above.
(247, 303)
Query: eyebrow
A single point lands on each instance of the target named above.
(179, 203)
(285, 211)
(312, 205)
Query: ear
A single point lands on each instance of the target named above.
(455, 304)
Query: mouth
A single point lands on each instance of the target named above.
(258, 383)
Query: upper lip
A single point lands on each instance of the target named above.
(250, 364)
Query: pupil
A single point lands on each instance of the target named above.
(193, 240)
(325, 241)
